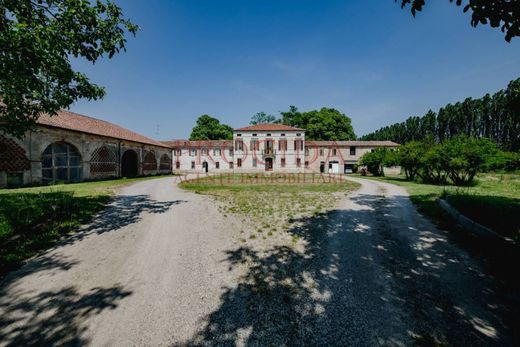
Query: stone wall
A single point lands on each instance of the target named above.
(100, 156)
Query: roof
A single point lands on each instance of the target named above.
(77, 122)
(269, 127)
(203, 144)
(352, 143)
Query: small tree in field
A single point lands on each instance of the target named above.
(464, 157)
(432, 165)
(410, 157)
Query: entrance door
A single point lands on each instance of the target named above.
(268, 164)
(334, 167)
(205, 166)
(129, 164)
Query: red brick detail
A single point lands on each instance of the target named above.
(12, 157)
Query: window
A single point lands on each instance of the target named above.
(282, 162)
(306, 151)
(298, 145)
(231, 152)
(282, 134)
(334, 152)
(231, 165)
(177, 165)
(254, 162)
(298, 134)
(254, 134)
(298, 162)
(192, 165)
(217, 165)
(321, 152)
(352, 150)
(268, 135)
(203, 151)
(179, 152)
(193, 152)
(61, 162)
(254, 145)
(282, 145)
(239, 145)
(239, 162)
(306, 164)
(216, 152)
(239, 134)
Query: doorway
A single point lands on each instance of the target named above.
(268, 164)
(129, 164)
(205, 167)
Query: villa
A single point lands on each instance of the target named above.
(71, 148)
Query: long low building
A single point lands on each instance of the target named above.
(70, 147)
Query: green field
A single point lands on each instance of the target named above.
(33, 219)
(493, 201)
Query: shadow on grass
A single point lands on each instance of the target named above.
(375, 274)
(30, 223)
(54, 317)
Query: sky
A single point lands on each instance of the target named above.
(231, 59)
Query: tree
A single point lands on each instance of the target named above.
(464, 157)
(38, 39)
(410, 158)
(327, 124)
(497, 13)
(262, 118)
(496, 117)
(376, 160)
(209, 128)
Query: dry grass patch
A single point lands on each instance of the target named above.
(269, 205)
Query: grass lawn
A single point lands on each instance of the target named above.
(272, 202)
(494, 201)
(33, 219)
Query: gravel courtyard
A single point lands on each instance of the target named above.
(163, 266)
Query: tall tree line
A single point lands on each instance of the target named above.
(496, 117)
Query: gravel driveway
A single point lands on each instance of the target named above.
(162, 266)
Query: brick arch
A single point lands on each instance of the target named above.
(149, 161)
(12, 156)
(103, 161)
(166, 163)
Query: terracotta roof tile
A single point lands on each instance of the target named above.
(204, 144)
(73, 121)
(269, 127)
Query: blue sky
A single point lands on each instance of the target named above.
(231, 59)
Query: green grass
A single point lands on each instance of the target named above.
(33, 219)
(272, 202)
(493, 201)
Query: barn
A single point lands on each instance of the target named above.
(70, 147)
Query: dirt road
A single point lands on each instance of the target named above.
(162, 266)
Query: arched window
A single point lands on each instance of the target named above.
(12, 156)
(61, 162)
(149, 162)
(166, 163)
(103, 161)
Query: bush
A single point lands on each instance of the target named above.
(464, 157)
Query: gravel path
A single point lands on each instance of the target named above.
(161, 266)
